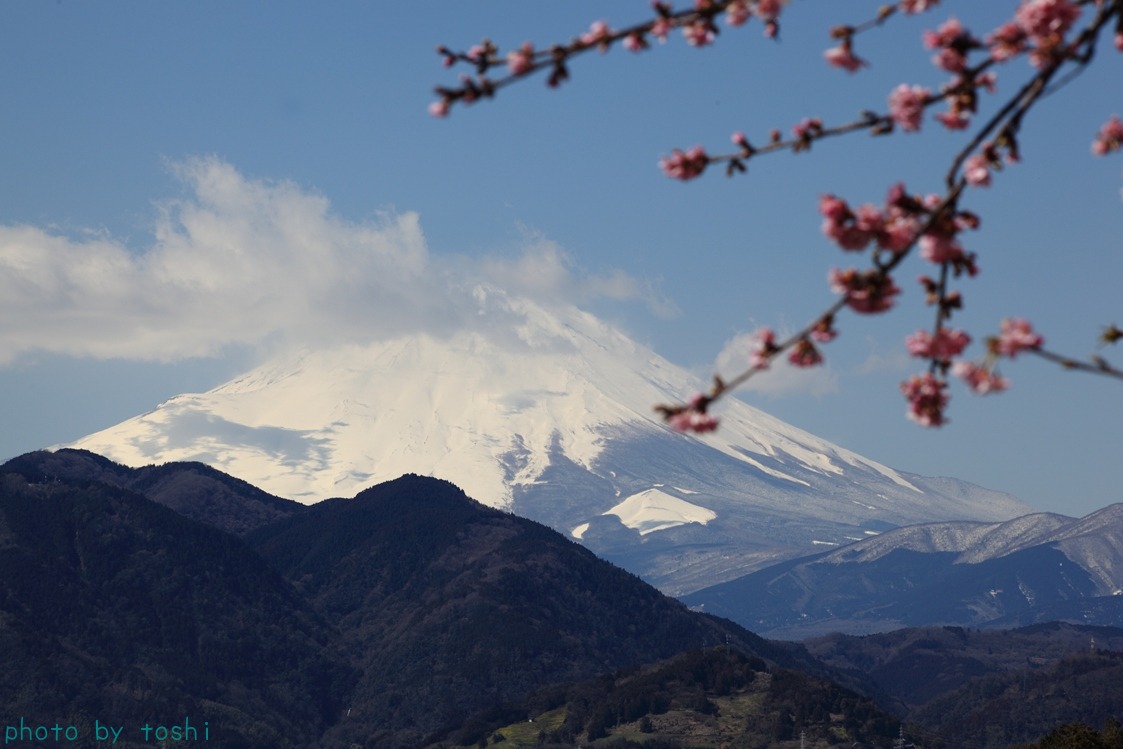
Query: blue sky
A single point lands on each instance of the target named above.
(125, 122)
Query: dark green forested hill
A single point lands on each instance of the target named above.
(193, 490)
(372, 621)
(970, 689)
(452, 607)
(700, 699)
(114, 608)
(412, 614)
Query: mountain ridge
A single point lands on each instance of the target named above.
(398, 612)
(192, 489)
(370, 615)
(1039, 567)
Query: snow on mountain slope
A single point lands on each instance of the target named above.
(1040, 567)
(654, 510)
(974, 541)
(1094, 542)
(329, 423)
(551, 418)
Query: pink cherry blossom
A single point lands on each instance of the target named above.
(960, 105)
(766, 347)
(681, 421)
(699, 33)
(843, 57)
(898, 233)
(440, 107)
(634, 42)
(599, 33)
(952, 42)
(844, 232)
(692, 417)
(927, 396)
(824, 331)
(950, 59)
(976, 170)
(807, 128)
(850, 230)
(769, 10)
(894, 228)
(937, 247)
(898, 198)
(906, 106)
(980, 379)
(521, 60)
(948, 33)
(1110, 137)
(693, 421)
(1006, 41)
(661, 28)
(1016, 335)
(945, 345)
(737, 12)
(869, 292)
(804, 354)
(851, 238)
(918, 6)
(868, 218)
(1046, 20)
(834, 208)
(685, 165)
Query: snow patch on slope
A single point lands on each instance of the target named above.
(655, 510)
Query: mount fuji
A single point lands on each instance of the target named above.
(550, 418)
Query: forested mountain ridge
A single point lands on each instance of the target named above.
(374, 620)
(411, 612)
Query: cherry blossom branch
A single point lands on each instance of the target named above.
(864, 293)
(699, 27)
(1038, 32)
(926, 393)
(526, 60)
(1095, 365)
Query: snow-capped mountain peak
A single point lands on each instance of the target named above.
(549, 414)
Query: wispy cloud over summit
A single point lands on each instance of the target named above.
(245, 262)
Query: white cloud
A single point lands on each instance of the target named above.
(545, 271)
(781, 379)
(242, 262)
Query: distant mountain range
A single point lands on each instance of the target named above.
(552, 420)
(412, 616)
(1037, 568)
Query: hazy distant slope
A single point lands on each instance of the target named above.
(1035, 568)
